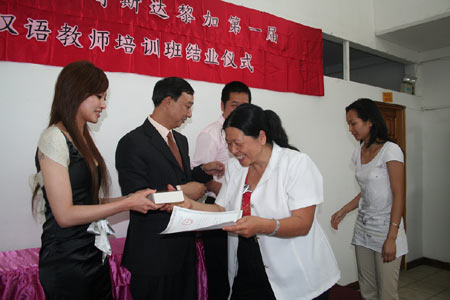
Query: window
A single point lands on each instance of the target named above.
(333, 59)
(375, 70)
(365, 67)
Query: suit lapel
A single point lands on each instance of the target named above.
(160, 144)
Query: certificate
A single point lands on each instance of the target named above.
(184, 219)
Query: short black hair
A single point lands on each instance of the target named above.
(235, 87)
(170, 87)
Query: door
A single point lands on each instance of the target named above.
(394, 116)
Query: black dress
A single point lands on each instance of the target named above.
(70, 266)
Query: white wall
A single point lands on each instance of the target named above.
(436, 159)
(315, 124)
(394, 15)
(337, 18)
(351, 20)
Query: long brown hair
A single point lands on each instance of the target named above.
(76, 82)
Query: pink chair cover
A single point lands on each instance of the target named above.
(19, 273)
(202, 278)
(120, 276)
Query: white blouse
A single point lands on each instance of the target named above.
(52, 144)
(301, 267)
(374, 211)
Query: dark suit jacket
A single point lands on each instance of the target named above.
(144, 160)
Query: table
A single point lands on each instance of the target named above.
(19, 273)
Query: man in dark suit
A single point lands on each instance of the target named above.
(154, 156)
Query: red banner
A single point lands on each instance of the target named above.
(207, 40)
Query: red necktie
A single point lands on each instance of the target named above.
(246, 194)
(173, 147)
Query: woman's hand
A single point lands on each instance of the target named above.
(389, 250)
(247, 226)
(337, 217)
(340, 214)
(139, 202)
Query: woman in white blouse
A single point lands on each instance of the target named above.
(277, 250)
(379, 236)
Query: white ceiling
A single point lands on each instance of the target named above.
(423, 37)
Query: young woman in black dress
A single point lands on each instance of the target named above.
(71, 172)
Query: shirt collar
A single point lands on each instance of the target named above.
(221, 120)
(163, 131)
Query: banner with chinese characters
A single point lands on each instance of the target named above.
(208, 40)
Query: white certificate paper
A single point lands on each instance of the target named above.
(184, 219)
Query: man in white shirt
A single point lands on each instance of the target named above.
(211, 146)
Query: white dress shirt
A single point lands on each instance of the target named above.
(163, 131)
(301, 267)
(211, 146)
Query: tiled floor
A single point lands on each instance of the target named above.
(424, 282)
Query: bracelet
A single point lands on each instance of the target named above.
(395, 224)
(277, 226)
